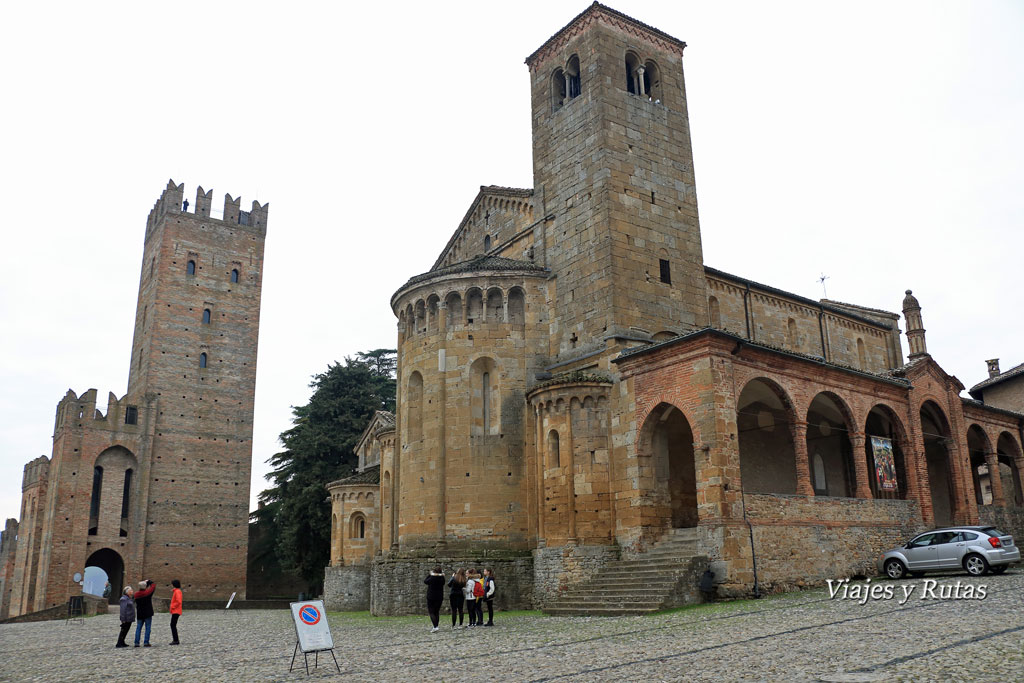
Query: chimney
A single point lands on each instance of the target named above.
(993, 367)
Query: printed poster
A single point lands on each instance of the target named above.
(885, 463)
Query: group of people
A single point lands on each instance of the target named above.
(468, 590)
(137, 605)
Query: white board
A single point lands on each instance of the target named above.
(311, 627)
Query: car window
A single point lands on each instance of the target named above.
(968, 536)
(921, 540)
(943, 537)
(992, 531)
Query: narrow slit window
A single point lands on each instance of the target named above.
(131, 415)
(202, 360)
(666, 271)
(190, 269)
(234, 274)
(206, 316)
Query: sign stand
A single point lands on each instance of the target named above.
(312, 634)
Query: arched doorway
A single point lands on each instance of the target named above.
(978, 447)
(828, 447)
(1008, 455)
(764, 419)
(883, 448)
(935, 433)
(668, 439)
(112, 565)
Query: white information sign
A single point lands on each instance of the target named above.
(311, 627)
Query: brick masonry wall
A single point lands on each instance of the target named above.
(556, 570)
(1009, 520)
(396, 584)
(347, 589)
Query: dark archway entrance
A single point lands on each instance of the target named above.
(675, 475)
(111, 563)
(935, 430)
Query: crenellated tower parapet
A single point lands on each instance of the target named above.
(122, 414)
(35, 473)
(172, 201)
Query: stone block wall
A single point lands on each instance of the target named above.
(803, 541)
(347, 589)
(556, 570)
(396, 584)
(1008, 519)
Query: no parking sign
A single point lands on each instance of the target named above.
(311, 626)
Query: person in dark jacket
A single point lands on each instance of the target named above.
(127, 615)
(435, 596)
(144, 609)
(456, 596)
(488, 596)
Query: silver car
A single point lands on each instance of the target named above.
(976, 549)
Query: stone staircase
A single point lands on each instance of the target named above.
(666, 576)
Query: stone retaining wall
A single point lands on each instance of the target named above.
(396, 584)
(1009, 520)
(805, 540)
(556, 570)
(347, 588)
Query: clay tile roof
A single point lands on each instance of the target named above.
(482, 262)
(1001, 377)
(368, 477)
(597, 8)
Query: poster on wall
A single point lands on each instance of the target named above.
(885, 464)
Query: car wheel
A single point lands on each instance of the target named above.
(975, 564)
(1000, 569)
(894, 569)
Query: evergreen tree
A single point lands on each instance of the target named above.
(318, 450)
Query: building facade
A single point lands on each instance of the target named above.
(576, 386)
(157, 486)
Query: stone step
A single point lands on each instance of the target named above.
(616, 591)
(600, 600)
(665, 561)
(628, 574)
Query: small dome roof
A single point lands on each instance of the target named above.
(910, 301)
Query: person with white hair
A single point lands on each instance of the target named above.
(127, 614)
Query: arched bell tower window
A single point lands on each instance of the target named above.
(652, 81)
(572, 77)
(632, 72)
(557, 89)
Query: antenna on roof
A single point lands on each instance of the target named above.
(822, 281)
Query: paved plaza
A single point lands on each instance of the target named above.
(800, 636)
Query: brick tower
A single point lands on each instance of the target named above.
(613, 165)
(194, 352)
(158, 486)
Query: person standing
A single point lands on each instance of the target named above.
(127, 615)
(488, 596)
(106, 591)
(478, 594)
(175, 610)
(435, 596)
(456, 596)
(144, 609)
(470, 592)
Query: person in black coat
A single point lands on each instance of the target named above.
(144, 609)
(456, 596)
(435, 596)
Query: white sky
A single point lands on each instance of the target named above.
(877, 142)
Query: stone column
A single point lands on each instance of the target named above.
(992, 460)
(860, 465)
(539, 412)
(803, 463)
(442, 470)
(640, 81)
(571, 484)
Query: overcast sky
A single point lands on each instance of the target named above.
(879, 143)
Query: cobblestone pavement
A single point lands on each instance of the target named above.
(801, 636)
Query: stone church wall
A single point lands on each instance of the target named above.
(556, 570)
(397, 583)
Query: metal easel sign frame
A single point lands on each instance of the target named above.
(312, 633)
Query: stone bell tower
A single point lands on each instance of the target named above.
(613, 165)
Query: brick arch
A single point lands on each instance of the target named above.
(665, 451)
(769, 440)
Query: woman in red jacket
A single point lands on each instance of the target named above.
(175, 610)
